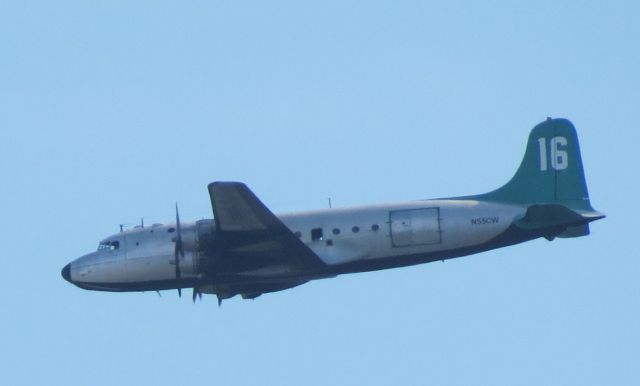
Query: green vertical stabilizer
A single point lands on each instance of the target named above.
(551, 171)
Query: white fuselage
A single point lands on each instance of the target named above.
(385, 231)
(339, 236)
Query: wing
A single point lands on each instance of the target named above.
(252, 233)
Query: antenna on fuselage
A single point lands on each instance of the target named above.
(141, 222)
(329, 199)
(121, 228)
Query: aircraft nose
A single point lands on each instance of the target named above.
(66, 272)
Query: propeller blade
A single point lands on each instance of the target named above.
(196, 293)
(176, 256)
(178, 252)
(179, 231)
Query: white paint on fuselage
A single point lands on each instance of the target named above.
(455, 224)
(144, 254)
(147, 254)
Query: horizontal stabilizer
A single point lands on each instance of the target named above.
(558, 217)
(580, 230)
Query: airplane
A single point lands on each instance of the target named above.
(247, 250)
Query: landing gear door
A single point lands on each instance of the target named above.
(413, 227)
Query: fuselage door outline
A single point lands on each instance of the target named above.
(413, 227)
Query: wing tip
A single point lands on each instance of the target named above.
(225, 183)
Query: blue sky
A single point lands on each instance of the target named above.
(111, 111)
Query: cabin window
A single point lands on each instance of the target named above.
(171, 230)
(375, 227)
(355, 229)
(316, 234)
(336, 231)
(110, 245)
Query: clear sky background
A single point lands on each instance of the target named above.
(113, 110)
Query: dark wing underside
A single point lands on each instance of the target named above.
(253, 235)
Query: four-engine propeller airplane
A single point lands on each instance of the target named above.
(247, 250)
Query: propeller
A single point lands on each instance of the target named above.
(178, 252)
(196, 293)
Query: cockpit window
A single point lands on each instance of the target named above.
(109, 245)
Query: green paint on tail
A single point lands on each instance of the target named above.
(551, 171)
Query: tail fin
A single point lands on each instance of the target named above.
(551, 171)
